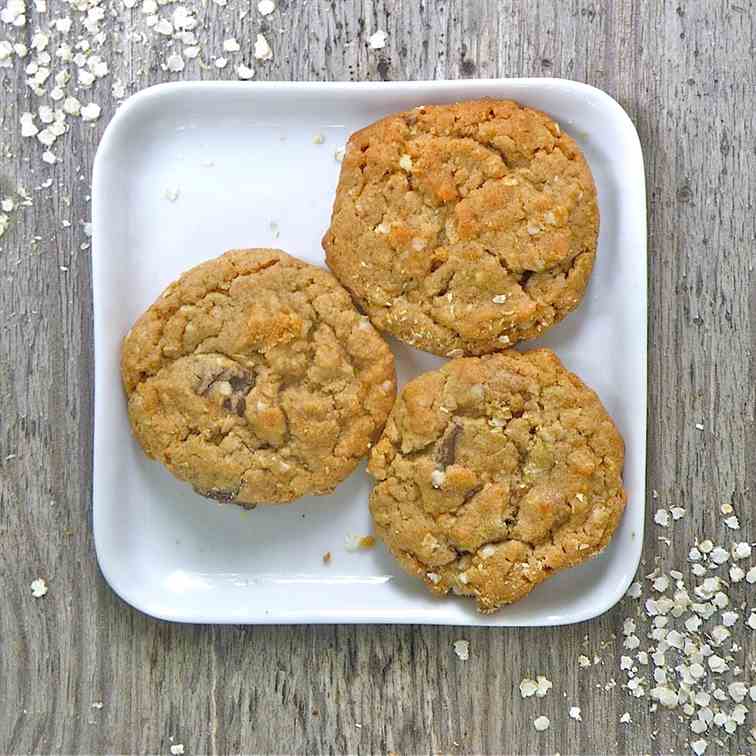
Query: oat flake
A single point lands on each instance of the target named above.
(462, 649)
(377, 41)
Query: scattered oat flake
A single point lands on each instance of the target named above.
(318, 139)
(6, 52)
(172, 193)
(377, 41)
(741, 550)
(100, 68)
(266, 7)
(625, 718)
(584, 661)
(737, 690)
(541, 723)
(245, 73)
(693, 624)
(729, 618)
(661, 583)
(38, 588)
(221, 62)
(726, 508)
(177, 749)
(327, 557)
(677, 512)
(699, 426)
(97, 705)
(528, 688)
(732, 522)
(338, 155)
(662, 517)
(90, 112)
(462, 649)
(698, 747)
(575, 713)
(174, 62)
(717, 664)
(262, 49)
(28, 128)
(231, 45)
(164, 27)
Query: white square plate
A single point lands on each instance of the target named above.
(242, 157)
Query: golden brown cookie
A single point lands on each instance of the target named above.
(254, 379)
(495, 472)
(466, 227)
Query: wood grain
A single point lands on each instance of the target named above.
(684, 72)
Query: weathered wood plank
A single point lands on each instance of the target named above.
(685, 74)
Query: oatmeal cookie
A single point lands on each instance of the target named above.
(495, 472)
(253, 378)
(464, 228)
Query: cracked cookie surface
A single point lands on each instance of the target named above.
(495, 472)
(464, 228)
(254, 378)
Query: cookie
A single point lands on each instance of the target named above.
(493, 473)
(254, 378)
(464, 228)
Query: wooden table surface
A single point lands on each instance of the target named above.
(684, 71)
